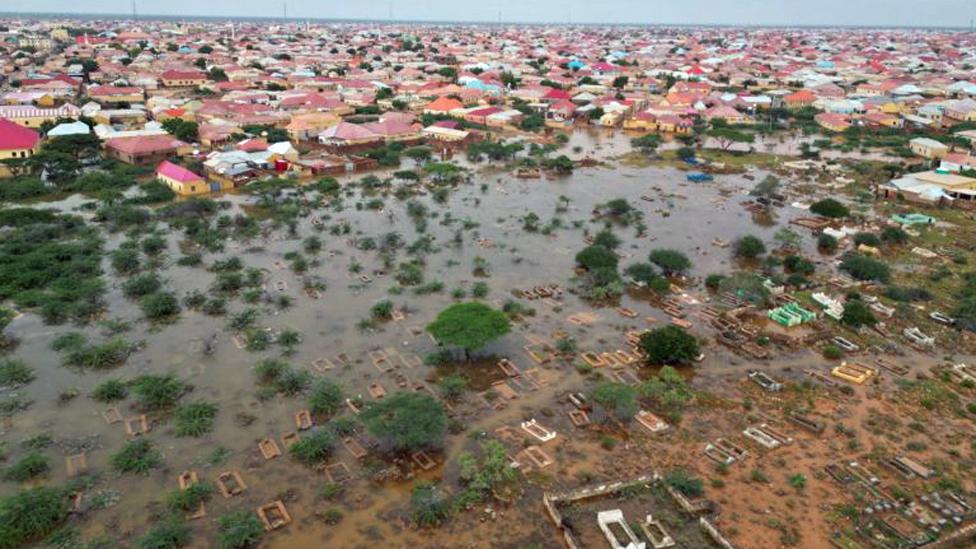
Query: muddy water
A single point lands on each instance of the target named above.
(697, 214)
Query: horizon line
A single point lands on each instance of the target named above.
(436, 22)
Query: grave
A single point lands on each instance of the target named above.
(354, 447)
(579, 418)
(853, 372)
(269, 448)
(76, 463)
(187, 479)
(376, 391)
(533, 428)
(338, 472)
(289, 439)
(504, 390)
(507, 367)
(352, 406)
(655, 533)
(274, 515)
(230, 484)
(534, 456)
(651, 422)
(761, 437)
(112, 415)
(423, 460)
(303, 420)
(617, 531)
(322, 365)
(138, 425)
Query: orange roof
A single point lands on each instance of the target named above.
(444, 104)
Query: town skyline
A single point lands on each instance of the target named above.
(948, 14)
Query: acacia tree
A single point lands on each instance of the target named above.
(407, 421)
(669, 345)
(470, 326)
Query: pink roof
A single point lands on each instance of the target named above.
(144, 143)
(177, 172)
(183, 75)
(346, 130)
(252, 145)
(95, 91)
(14, 136)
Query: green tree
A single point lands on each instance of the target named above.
(829, 207)
(749, 247)
(671, 261)
(407, 421)
(618, 399)
(597, 257)
(470, 326)
(726, 137)
(857, 314)
(669, 345)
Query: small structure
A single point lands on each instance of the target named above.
(764, 381)
(916, 337)
(274, 515)
(230, 484)
(853, 372)
(269, 448)
(538, 431)
(617, 531)
(651, 422)
(655, 533)
(181, 180)
(790, 315)
(303, 420)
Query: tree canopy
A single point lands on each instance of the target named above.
(470, 326)
(669, 345)
(407, 421)
(670, 261)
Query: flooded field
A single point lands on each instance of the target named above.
(477, 235)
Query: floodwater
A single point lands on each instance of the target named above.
(696, 214)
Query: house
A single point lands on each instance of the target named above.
(641, 121)
(670, 123)
(935, 187)
(181, 180)
(116, 94)
(963, 110)
(832, 121)
(34, 117)
(69, 128)
(183, 79)
(800, 99)
(16, 142)
(145, 149)
(928, 148)
(348, 136)
(726, 113)
(443, 105)
(307, 126)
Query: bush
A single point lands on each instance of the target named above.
(382, 310)
(111, 390)
(827, 244)
(669, 345)
(857, 314)
(863, 267)
(30, 515)
(867, 239)
(833, 352)
(749, 247)
(138, 456)
(683, 482)
(160, 305)
(14, 371)
(32, 465)
(169, 534)
(407, 420)
(314, 447)
(142, 285)
(190, 498)
(158, 392)
(195, 418)
(894, 235)
(325, 397)
(618, 399)
(672, 262)
(829, 207)
(238, 529)
(125, 261)
(597, 257)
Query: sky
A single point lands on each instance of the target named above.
(931, 13)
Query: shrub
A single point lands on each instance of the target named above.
(826, 243)
(30, 515)
(683, 482)
(597, 257)
(138, 456)
(14, 371)
(669, 345)
(194, 418)
(407, 420)
(270, 370)
(749, 247)
(142, 285)
(190, 498)
(833, 352)
(110, 391)
(160, 305)
(863, 267)
(169, 534)
(867, 239)
(314, 447)
(32, 465)
(618, 399)
(382, 310)
(672, 262)
(857, 314)
(325, 397)
(156, 392)
(829, 207)
(125, 261)
(238, 529)
(292, 382)
(894, 235)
